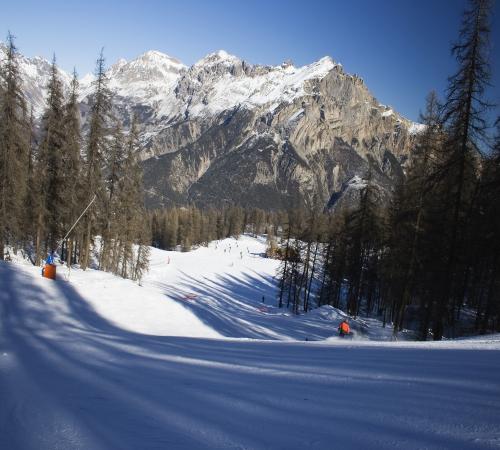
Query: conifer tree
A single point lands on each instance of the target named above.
(14, 150)
(408, 216)
(72, 184)
(463, 115)
(485, 277)
(50, 169)
(95, 150)
(132, 215)
(114, 163)
(32, 198)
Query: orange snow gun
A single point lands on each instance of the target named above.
(49, 271)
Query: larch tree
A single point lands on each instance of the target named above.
(136, 230)
(464, 117)
(50, 170)
(95, 149)
(14, 150)
(72, 183)
(114, 171)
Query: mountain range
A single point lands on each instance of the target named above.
(224, 131)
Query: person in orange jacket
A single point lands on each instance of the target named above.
(344, 328)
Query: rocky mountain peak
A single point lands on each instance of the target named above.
(161, 60)
(224, 130)
(216, 58)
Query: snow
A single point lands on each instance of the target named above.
(35, 74)
(216, 58)
(167, 91)
(193, 359)
(416, 128)
(86, 81)
(276, 85)
(150, 78)
(356, 182)
(296, 115)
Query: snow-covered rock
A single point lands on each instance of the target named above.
(275, 132)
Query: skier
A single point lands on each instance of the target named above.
(344, 328)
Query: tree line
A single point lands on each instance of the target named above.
(181, 228)
(431, 259)
(49, 172)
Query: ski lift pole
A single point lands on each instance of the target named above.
(74, 225)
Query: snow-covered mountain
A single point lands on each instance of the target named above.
(36, 73)
(224, 130)
(151, 78)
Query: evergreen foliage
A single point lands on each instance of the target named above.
(15, 141)
(45, 184)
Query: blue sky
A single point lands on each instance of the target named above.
(401, 48)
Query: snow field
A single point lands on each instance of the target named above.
(193, 360)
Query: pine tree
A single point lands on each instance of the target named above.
(363, 231)
(32, 198)
(485, 278)
(14, 150)
(72, 184)
(50, 168)
(114, 161)
(132, 214)
(284, 270)
(408, 216)
(463, 115)
(95, 150)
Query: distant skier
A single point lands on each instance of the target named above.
(344, 328)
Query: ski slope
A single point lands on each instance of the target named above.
(194, 360)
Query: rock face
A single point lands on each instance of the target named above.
(271, 136)
(227, 132)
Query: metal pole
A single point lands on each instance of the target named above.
(77, 220)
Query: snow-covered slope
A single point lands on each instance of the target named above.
(92, 361)
(227, 290)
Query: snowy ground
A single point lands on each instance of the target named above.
(193, 359)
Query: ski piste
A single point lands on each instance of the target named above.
(194, 360)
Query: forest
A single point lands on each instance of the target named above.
(428, 261)
(49, 173)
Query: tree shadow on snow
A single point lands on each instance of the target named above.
(233, 307)
(98, 386)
